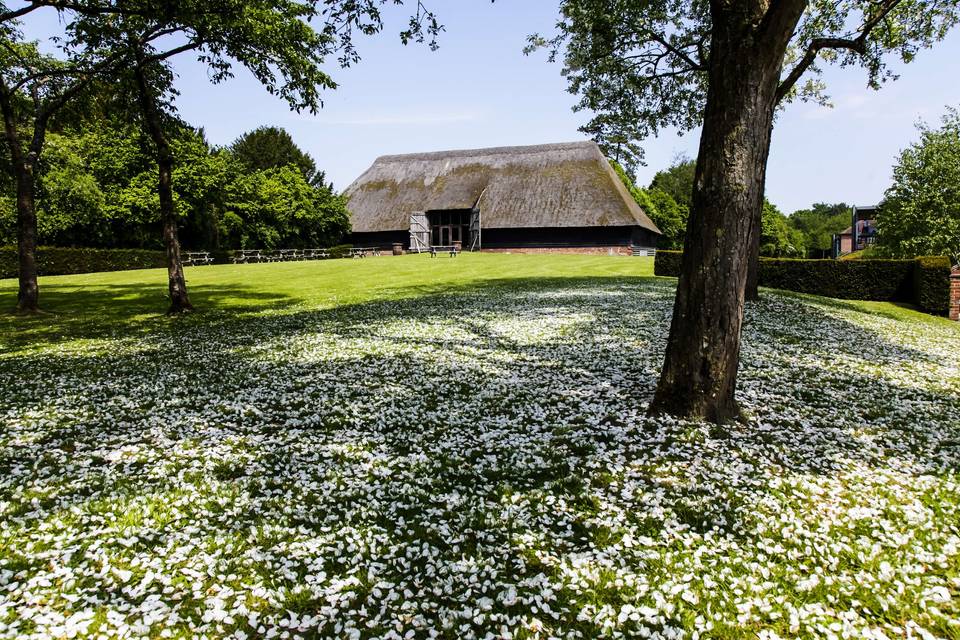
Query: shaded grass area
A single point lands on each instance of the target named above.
(460, 447)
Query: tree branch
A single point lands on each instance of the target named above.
(857, 45)
(679, 53)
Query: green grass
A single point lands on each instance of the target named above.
(420, 436)
(89, 304)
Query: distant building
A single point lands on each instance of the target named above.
(861, 233)
(554, 197)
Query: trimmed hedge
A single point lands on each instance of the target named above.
(667, 263)
(931, 284)
(884, 280)
(923, 281)
(60, 261)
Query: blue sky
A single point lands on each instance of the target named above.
(480, 90)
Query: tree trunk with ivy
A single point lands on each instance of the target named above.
(150, 110)
(699, 374)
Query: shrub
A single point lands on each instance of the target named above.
(924, 281)
(55, 261)
(340, 251)
(667, 263)
(931, 284)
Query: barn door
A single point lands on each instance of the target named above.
(475, 229)
(419, 232)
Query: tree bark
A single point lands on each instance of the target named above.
(752, 291)
(699, 375)
(177, 284)
(28, 296)
(24, 166)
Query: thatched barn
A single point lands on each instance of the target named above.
(554, 197)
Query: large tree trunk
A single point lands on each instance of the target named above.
(177, 284)
(699, 374)
(28, 297)
(753, 268)
(24, 167)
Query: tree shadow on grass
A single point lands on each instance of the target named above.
(496, 429)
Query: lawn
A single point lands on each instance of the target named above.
(415, 447)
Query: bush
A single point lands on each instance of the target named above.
(340, 251)
(923, 282)
(931, 284)
(56, 261)
(667, 263)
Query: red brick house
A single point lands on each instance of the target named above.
(861, 233)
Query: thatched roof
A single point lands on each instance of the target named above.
(552, 185)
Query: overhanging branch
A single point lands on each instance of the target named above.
(857, 45)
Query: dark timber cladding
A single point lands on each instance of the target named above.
(545, 197)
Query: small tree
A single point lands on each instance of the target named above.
(727, 65)
(921, 212)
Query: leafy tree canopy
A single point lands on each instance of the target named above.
(272, 148)
(97, 188)
(677, 180)
(777, 238)
(921, 212)
(819, 223)
(640, 65)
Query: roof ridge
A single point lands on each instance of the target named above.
(488, 151)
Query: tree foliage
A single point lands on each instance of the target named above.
(677, 180)
(640, 66)
(777, 238)
(670, 217)
(921, 212)
(97, 188)
(271, 148)
(818, 224)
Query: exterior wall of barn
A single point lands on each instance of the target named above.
(541, 239)
(383, 239)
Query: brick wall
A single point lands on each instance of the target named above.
(955, 293)
(593, 251)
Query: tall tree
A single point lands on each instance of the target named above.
(33, 89)
(921, 212)
(642, 65)
(272, 39)
(677, 180)
(818, 224)
(272, 148)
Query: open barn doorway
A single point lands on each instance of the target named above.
(449, 227)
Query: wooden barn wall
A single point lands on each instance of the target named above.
(546, 237)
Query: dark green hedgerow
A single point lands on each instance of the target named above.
(58, 261)
(923, 281)
(62, 261)
(931, 284)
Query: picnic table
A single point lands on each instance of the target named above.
(196, 258)
(452, 249)
(361, 252)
